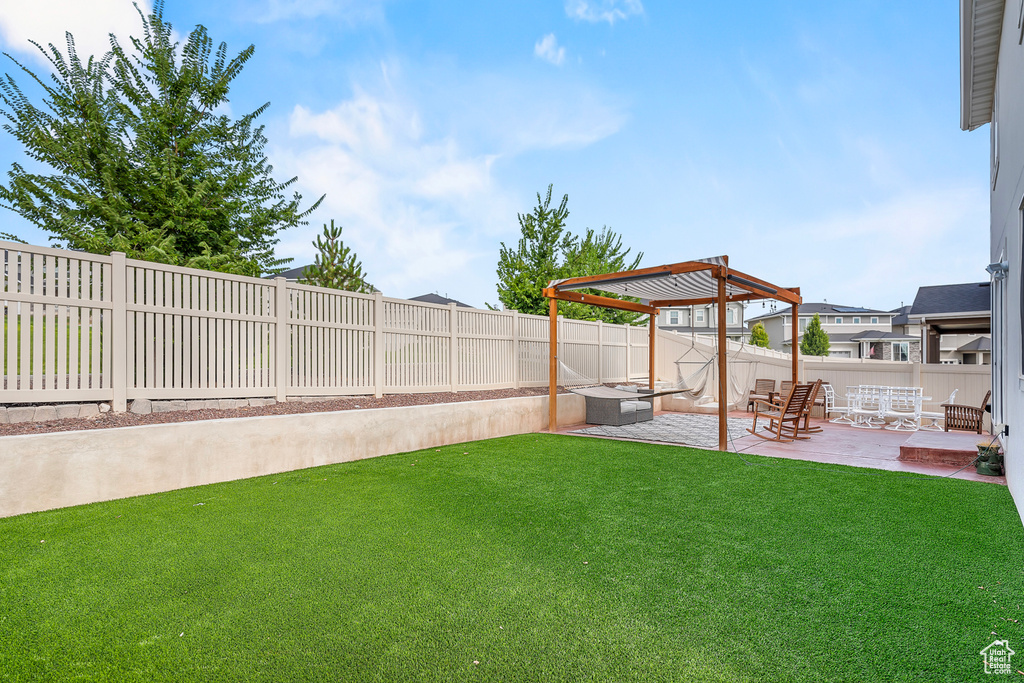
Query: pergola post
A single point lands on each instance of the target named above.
(553, 366)
(723, 376)
(650, 353)
(795, 346)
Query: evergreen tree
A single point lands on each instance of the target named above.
(759, 336)
(335, 265)
(815, 341)
(548, 251)
(141, 160)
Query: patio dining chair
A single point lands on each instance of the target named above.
(869, 409)
(763, 389)
(904, 408)
(779, 415)
(935, 418)
(831, 406)
(964, 417)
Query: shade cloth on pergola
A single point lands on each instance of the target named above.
(705, 281)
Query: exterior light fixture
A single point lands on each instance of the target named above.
(998, 271)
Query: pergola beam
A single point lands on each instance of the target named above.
(641, 274)
(596, 300)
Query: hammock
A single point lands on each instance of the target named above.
(694, 385)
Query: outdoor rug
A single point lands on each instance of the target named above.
(685, 428)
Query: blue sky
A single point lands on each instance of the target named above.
(817, 144)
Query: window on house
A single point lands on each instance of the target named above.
(856, 321)
(673, 317)
(730, 316)
(698, 315)
(803, 323)
(874, 320)
(839, 320)
(901, 351)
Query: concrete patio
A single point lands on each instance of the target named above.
(924, 452)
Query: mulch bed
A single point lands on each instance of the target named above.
(111, 420)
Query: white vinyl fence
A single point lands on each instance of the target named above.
(84, 327)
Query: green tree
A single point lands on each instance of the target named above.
(525, 271)
(140, 159)
(548, 251)
(594, 254)
(759, 336)
(815, 341)
(335, 265)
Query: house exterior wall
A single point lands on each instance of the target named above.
(1007, 195)
(701, 319)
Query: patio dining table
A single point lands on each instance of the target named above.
(870, 407)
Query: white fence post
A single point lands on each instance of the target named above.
(629, 353)
(119, 371)
(600, 351)
(515, 349)
(282, 350)
(378, 344)
(453, 344)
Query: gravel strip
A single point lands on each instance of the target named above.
(111, 420)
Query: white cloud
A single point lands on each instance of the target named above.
(412, 179)
(416, 208)
(90, 21)
(547, 48)
(603, 10)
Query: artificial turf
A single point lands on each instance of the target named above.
(529, 558)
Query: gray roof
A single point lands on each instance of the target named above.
(821, 309)
(979, 344)
(945, 299)
(438, 299)
(901, 315)
(292, 273)
(866, 335)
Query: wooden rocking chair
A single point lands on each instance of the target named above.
(789, 412)
(966, 417)
(763, 390)
(806, 428)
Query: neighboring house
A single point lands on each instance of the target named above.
(853, 332)
(293, 274)
(954, 323)
(703, 320)
(438, 299)
(992, 91)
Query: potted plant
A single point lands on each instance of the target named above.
(990, 458)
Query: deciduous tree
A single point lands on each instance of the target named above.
(548, 251)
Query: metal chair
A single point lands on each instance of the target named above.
(935, 418)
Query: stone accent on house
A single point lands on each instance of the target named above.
(140, 406)
(883, 350)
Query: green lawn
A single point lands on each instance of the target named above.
(531, 558)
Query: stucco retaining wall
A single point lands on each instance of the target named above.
(45, 471)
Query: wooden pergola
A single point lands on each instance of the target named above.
(691, 283)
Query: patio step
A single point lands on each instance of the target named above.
(946, 448)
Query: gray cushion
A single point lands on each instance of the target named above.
(632, 406)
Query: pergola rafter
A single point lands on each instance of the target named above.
(690, 283)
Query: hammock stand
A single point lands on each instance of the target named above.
(679, 284)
